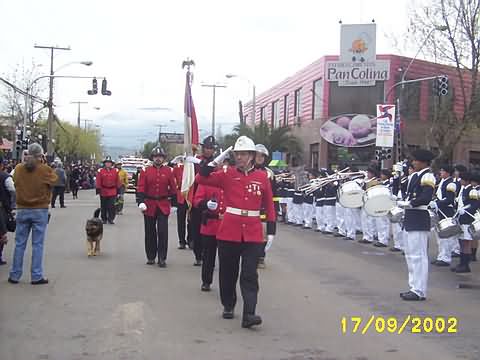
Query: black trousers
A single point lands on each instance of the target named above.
(156, 236)
(58, 191)
(208, 258)
(182, 222)
(107, 205)
(229, 255)
(74, 191)
(194, 232)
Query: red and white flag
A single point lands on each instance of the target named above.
(190, 137)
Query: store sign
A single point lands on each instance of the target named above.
(385, 125)
(350, 130)
(171, 138)
(357, 74)
(358, 42)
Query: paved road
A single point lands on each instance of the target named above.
(115, 307)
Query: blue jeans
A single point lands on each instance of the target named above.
(35, 220)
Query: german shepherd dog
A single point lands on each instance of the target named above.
(94, 230)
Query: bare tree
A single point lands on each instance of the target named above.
(459, 46)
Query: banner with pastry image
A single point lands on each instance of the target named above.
(350, 130)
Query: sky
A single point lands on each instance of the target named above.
(139, 47)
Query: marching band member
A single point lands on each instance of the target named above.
(399, 190)
(240, 234)
(444, 207)
(319, 202)
(368, 222)
(476, 186)
(467, 202)
(289, 189)
(339, 214)
(297, 208)
(308, 206)
(382, 223)
(182, 206)
(107, 186)
(457, 171)
(417, 224)
(330, 206)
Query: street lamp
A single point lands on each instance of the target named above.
(254, 108)
(86, 63)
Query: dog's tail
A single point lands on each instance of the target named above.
(96, 214)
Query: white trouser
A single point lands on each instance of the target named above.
(288, 213)
(368, 226)
(398, 234)
(456, 248)
(320, 217)
(329, 212)
(416, 244)
(382, 225)
(340, 215)
(350, 222)
(298, 213)
(445, 247)
(358, 219)
(307, 215)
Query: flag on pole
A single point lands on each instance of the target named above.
(190, 137)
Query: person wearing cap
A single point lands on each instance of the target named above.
(209, 146)
(33, 183)
(240, 235)
(382, 223)
(319, 202)
(399, 190)
(156, 186)
(444, 205)
(420, 192)
(467, 205)
(260, 164)
(369, 224)
(330, 205)
(107, 186)
(476, 186)
(457, 171)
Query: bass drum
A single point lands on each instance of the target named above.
(350, 195)
(378, 201)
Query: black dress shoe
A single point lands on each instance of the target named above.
(379, 244)
(348, 238)
(151, 262)
(11, 281)
(197, 263)
(2, 262)
(162, 263)
(104, 222)
(40, 282)
(182, 247)
(338, 235)
(440, 263)
(227, 313)
(111, 222)
(206, 287)
(455, 255)
(251, 320)
(363, 241)
(411, 296)
(394, 249)
(63, 207)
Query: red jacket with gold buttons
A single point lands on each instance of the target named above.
(108, 182)
(155, 187)
(242, 190)
(210, 219)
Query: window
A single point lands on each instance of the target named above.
(314, 156)
(275, 114)
(297, 105)
(263, 114)
(317, 99)
(285, 110)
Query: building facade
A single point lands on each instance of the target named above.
(309, 98)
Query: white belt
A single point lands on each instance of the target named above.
(421, 207)
(242, 212)
(330, 198)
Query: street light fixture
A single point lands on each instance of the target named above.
(86, 63)
(254, 107)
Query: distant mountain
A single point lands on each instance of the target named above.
(117, 152)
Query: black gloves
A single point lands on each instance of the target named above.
(140, 197)
(205, 170)
(97, 191)
(271, 227)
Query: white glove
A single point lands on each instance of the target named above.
(212, 205)
(142, 207)
(403, 204)
(433, 205)
(193, 159)
(269, 242)
(461, 211)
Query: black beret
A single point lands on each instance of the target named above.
(460, 168)
(423, 155)
(447, 168)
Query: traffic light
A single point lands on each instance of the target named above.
(378, 155)
(104, 88)
(388, 154)
(442, 85)
(383, 154)
(94, 90)
(18, 141)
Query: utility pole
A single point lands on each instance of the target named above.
(213, 86)
(85, 122)
(78, 112)
(160, 132)
(50, 122)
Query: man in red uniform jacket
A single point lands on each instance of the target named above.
(210, 201)
(156, 185)
(107, 184)
(240, 234)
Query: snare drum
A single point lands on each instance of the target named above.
(378, 201)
